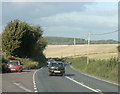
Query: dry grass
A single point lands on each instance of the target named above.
(103, 51)
(102, 55)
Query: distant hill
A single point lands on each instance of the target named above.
(70, 41)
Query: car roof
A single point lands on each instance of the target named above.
(13, 61)
(58, 62)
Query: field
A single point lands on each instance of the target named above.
(96, 51)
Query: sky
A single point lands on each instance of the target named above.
(66, 19)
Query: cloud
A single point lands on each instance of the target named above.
(16, 0)
(60, 1)
(79, 23)
(42, 9)
(78, 19)
(0, 28)
(64, 31)
(103, 9)
(32, 10)
(64, 19)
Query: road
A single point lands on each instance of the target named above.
(18, 82)
(73, 81)
(40, 81)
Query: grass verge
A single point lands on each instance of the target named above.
(104, 69)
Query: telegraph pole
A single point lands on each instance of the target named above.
(74, 45)
(74, 41)
(88, 47)
(61, 49)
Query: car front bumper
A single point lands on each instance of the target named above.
(56, 71)
(12, 69)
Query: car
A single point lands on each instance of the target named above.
(14, 65)
(56, 68)
(50, 61)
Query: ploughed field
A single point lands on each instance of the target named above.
(96, 51)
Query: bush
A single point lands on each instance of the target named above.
(19, 39)
(119, 48)
(4, 67)
(24, 42)
(29, 64)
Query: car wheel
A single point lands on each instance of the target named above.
(50, 74)
(7, 71)
(19, 71)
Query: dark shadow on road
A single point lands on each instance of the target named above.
(69, 74)
(26, 71)
(16, 71)
(55, 75)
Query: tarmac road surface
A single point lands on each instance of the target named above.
(40, 81)
(18, 82)
(73, 81)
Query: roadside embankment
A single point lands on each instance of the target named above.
(103, 69)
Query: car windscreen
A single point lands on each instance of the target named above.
(13, 63)
(57, 64)
(51, 60)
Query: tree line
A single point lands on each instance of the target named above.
(70, 41)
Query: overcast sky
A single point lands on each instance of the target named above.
(66, 19)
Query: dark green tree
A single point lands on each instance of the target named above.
(22, 39)
(119, 48)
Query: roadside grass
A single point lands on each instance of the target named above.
(103, 69)
(102, 55)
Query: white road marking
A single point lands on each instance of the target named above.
(35, 88)
(82, 84)
(94, 77)
(72, 78)
(34, 84)
(22, 87)
(99, 90)
(36, 91)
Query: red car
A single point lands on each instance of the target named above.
(14, 65)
